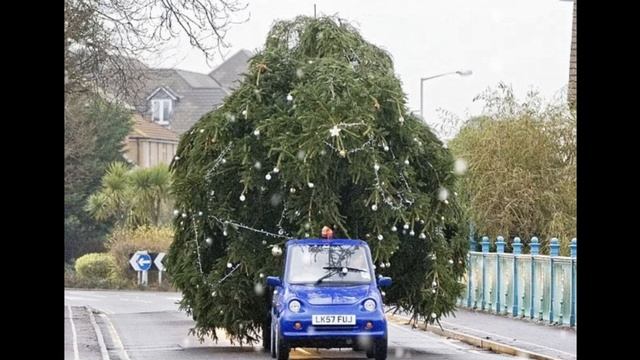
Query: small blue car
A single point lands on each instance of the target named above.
(328, 297)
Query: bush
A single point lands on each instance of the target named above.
(521, 158)
(70, 279)
(123, 242)
(96, 267)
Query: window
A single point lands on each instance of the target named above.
(344, 264)
(161, 111)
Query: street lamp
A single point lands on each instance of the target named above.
(422, 80)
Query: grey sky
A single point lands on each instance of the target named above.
(525, 43)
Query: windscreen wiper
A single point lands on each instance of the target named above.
(335, 270)
(343, 267)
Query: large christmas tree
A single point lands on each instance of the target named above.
(318, 133)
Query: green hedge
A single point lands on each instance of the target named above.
(96, 267)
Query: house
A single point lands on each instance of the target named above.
(171, 101)
(229, 72)
(150, 144)
(176, 99)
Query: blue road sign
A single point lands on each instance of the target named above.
(144, 262)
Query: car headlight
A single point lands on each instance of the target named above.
(369, 304)
(294, 306)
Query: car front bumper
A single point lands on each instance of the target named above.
(331, 336)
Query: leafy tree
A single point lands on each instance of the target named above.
(133, 197)
(94, 136)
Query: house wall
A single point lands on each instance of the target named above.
(150, 152)
(131, 150)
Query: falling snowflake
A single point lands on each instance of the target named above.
(460, 167)
(443, 194)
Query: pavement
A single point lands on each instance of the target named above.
(81, 339)
(132, 325)
(505, 334)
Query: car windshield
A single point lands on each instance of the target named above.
(328, 264)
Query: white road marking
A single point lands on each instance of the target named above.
(81, 298)
(116, 339)
(96, 328)
(86, 293)
(75, 335)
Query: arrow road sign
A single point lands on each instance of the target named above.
(140, 261)
(133, 260)
(144, 262)
(158, 261)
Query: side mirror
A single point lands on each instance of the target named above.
(384, 281)
(275, 281)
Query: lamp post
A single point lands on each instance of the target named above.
(422, 80)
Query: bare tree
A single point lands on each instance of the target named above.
(104, 38)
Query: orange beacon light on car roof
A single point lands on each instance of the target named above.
(327, 232)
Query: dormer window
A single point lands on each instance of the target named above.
(161, 105)
(161, 110)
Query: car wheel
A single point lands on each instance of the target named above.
(266, 335)
(282, 348)
(273, 341)
(370, 352)
(380, 349)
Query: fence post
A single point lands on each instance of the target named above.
(574, 248)
(472, 247)
(535, 248)
(485, 244)
(472, 241)
(554, 250)
(517, 250)
(485, 250)
(554, 247)
(500, 245)
(499, 250)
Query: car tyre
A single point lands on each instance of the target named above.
(380, 349)
(273, 341)
(370, 352)
(266, 335)
(282, 348)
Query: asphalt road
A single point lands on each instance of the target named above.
(135, 325)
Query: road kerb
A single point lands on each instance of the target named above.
(96, 328)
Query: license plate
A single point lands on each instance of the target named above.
(333, 320)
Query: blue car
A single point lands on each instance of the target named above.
(328, 297)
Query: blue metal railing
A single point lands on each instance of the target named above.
(534, 286)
